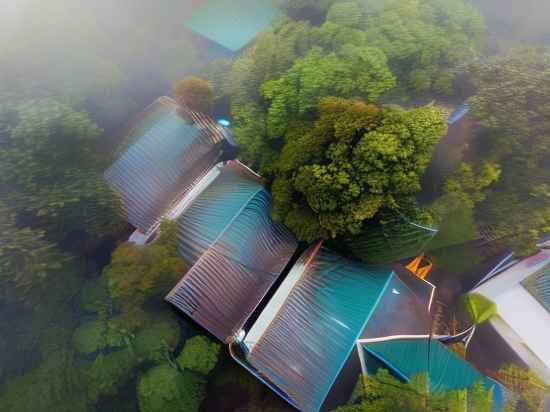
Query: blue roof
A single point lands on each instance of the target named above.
(232, 23)
(445, 370)
(166, 154)
(306, 344)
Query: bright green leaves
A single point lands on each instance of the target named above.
(354, 71)
(425, 41)
(180, 386)
(478, 308)
(353, 161)
(199, 354)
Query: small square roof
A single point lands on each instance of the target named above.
(232, 23)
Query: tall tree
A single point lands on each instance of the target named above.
(51, 169)
(353, 71)
(426, 40)
(337, 172)
(512, 103)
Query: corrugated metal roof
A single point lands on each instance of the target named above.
(539, 286)
(166, 156)
(313, 332)
(237, 251)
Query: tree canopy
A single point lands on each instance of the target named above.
(340, 170)
(353, 71)
(426, 41)
(138, 272)
(512, 102)
(50, 167)
(196, 93)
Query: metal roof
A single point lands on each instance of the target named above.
(310, 331)
(236, 250)
(166, 155)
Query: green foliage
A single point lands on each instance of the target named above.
(348, 14)
(382, 392)
(158, 341)
(353, 161)
(55, 385)
(354, 71)
(195, 92)
(199, 354)
(96, 335)
(512, 103)
(477, 307)
(266, 83)
(94, 296)
(454, 210)
(165, 389)
(305, 9)
(426, 40)
(392, 236)
(525, 383)
(108, 373)
(28, 261)
(139, 272)
(51, 168)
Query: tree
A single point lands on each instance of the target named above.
(354, 71)
(166, 389)
(511, 102)
(51, 170)
(455, 209)
(426, 41)
(196, 93)
(199, 355)
(29, 263)
(313, 10)
(273, 53)
(348, 14)
(337, 172)
(139, 272)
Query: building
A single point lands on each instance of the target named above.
(166, 154)
(232, 24)
(236, 251)
(305, 341)
(306, 326)
(522, 295)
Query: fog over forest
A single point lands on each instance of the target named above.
(345, 109)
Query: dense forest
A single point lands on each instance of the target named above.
(339, 105)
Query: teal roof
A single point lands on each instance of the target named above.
(305, 346)
(445, 369)
(236, 250)
(539, 286)
(232, 23)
